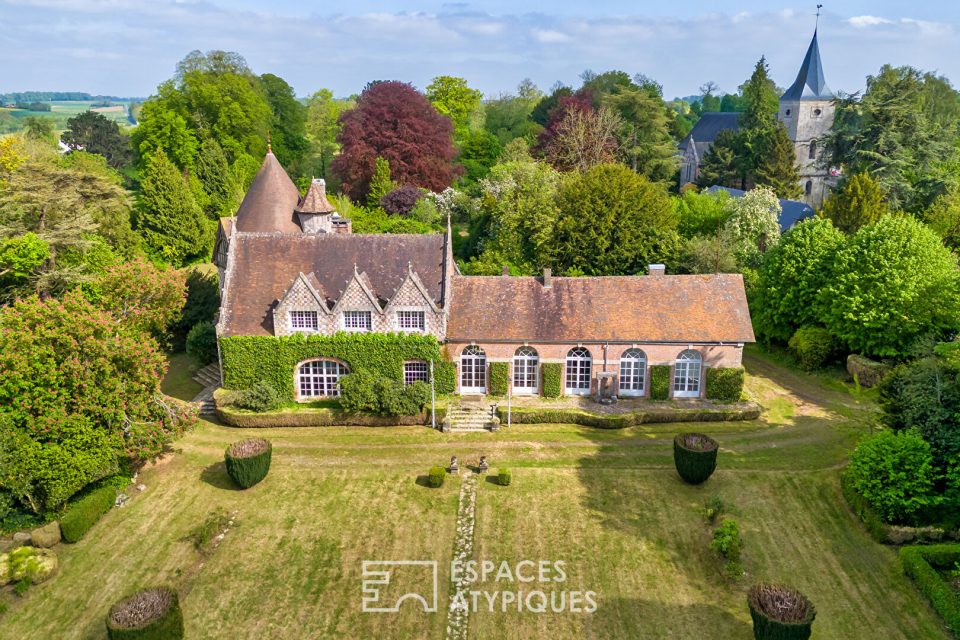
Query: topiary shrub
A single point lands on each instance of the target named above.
(725, 384)
(780, 612)
(202, 342)
(499, 378)
(812, 346)
(260, 398)
(504, 477)
(695, 456)
(248, 461)
(436, 476)
(552, 373)
(150, 614)
(85, 512)
(659, 381)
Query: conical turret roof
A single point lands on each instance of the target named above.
(270, 201)
(810, 83)
(316, 199)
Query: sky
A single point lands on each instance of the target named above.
(127, 47)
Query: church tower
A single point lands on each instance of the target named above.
(806, 109)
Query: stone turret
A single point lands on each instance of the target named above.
(270, 201)
(316, 214)
(806, 109)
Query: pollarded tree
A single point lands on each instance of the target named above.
(892, 284)
(754, 225)
(613, 221)
(394, 121)
(168, 218)
(791, 277)
(858, 203)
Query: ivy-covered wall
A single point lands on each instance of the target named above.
(247, 360)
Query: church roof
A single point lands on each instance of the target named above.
(270, 201)
(316, 199)
(710, 124)
(810, 83)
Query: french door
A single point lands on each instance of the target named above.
(525, 365)
(473, 370)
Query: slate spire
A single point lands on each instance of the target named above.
(810, 83)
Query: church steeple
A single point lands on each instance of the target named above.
(810, 83)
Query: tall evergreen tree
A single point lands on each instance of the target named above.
(760, 95)
(218, 181)
(719, 166)
(168, 218)
(859, 202)
(644, 133)
(778, 165)
(381, 183)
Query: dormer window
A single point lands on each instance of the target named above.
(357, 321)
(411, 321)
(303, 321)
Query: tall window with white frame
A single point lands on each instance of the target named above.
(473, 370)
(633, 372)
(357, 321)
(579, 371)
(320, 379)
(687, 372)
(411, 321)
(526, 362)
(416, 371)
(304, 321)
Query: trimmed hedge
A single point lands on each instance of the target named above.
(504, 477)
(725, 384)
(867, 372)
(921, 564)
(436, 476)
(163, 620)
(552, 373)
(780, 612)
(695, 456)
(260, 397)
(499, 378)
(653, 415)
(85, 512)
(248, 461)
(248, 360)
(812, 346)
(659, 381)
(306, 416)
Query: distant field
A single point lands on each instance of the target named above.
(61, 111)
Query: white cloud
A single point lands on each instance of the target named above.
(868, 21)
(550, 36)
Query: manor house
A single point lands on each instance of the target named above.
(290, 265)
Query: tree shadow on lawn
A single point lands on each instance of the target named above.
(662, 620)
(216, 475)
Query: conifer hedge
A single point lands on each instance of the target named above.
(499, 378)
(780, 612)
(150, 614)
(248, 360)
(552, 373)
(85, 512)
(725, 383)
(695, 456)
(248, 461)
(659, 381)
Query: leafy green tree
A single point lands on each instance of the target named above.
(777, 167)
(162, 128)
(218, 181)
(94, 133)
(892, 284)
(452, 97)
(39, 128)
(644, 134)
(719, 166)
(894, 474)
(791, 277)
(380, 184)
(713, 253)
(613, 221)
(508, 117)
(857, 203)
(289, 125)
(479, 150)
(172, 224)
(21, 262)
(754, 225)
(323, 127)
(702, 214)
(943, 216)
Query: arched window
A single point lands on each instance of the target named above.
(686, 374)
(579, 371)
(812, 155)
(808, 188)
(633, 372)
(473, 370)
(525, 365)
(320, 378)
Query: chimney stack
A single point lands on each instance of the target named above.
(505, 270)
(657, 269)
(547, 278)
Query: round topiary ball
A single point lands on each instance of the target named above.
(780, 612)
(150, 614)
(248, 461)
(695, 456)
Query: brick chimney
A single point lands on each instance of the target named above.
(657, 269)
(547, 278)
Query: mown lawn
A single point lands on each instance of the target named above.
(607, 503)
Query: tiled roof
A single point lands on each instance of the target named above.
(263, 266)
(667, 308)
(270, 201)
(316, 199)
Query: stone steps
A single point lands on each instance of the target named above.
(208, 375)
(208, 408)
(469, 418)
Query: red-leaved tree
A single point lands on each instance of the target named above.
(396, 122)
